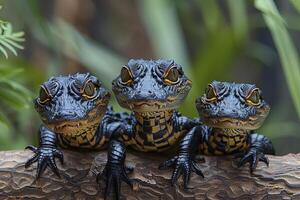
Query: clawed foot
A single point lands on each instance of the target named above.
(253, 156)
(44, 156)
(113, 175)
(183, 165)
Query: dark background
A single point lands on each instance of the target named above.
(213, 40)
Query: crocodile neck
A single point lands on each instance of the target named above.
(228, 141)
(154, 130)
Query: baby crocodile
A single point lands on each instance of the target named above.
(152, 90)
(74, 113)
(231, 112)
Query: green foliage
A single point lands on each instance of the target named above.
(207, 37)
(166, 35)
(296, 4)
(13, 96)
(9, 40)
(286, 49)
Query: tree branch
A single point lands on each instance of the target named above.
(223, 180)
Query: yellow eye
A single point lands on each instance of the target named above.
(210, 93)
(254, 97)
(44, 96)
(126, 75)
(171, 76)
(89, 90)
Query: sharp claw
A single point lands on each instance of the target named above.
(175, 175)
(265, 160)
(52, 165)
(186, 179)
(253, 164)
(40, 167)
(129, 169)
(126, 178)
(244, 160)
(117, 187)
(32, 148)
(168, 163)
(197, 169)
(199, 158)
(31, 160)
(114, 175)
(60, 156)
(107, 187)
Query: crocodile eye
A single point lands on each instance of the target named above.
(44, 96)
(210, 93)
(126, 75)
(89, 90)
(171, 76)
(254, 97)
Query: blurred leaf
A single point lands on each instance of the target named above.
(239, 18)
(9, 40)
(261, 52)
(3, 121)
(13, 99)
(287, 51)
(208, 66)
(9, 72)
(212, 16)
(163, 28)
(296, 4)
(14, 94)
(99, 59)
(281, 129)
(16, 87)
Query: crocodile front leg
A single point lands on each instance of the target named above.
(115, 170)
(185, 162)
(46, 152)
(259, 146)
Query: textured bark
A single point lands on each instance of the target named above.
(281, 180)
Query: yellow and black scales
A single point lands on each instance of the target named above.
(230, 113)
(155, 131)
(152, 90)
(75, 114)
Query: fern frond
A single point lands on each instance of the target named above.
(9, 40)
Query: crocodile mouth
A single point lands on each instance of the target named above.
(151, 105)
(250, 123)
(77, 126)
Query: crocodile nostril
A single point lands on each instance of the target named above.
(66, 114)
(233, 110)
(149, 91)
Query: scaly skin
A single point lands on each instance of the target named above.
(74, 113)
(231, 112)
(152, 90)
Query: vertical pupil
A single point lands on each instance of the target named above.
(210, 93)
(89, 89)
(125, 76)
(173, 75)
(43, 95)
(255, 97)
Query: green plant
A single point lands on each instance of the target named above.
(286, 49)
(9, 40)
(212, 39)
(13, 96)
